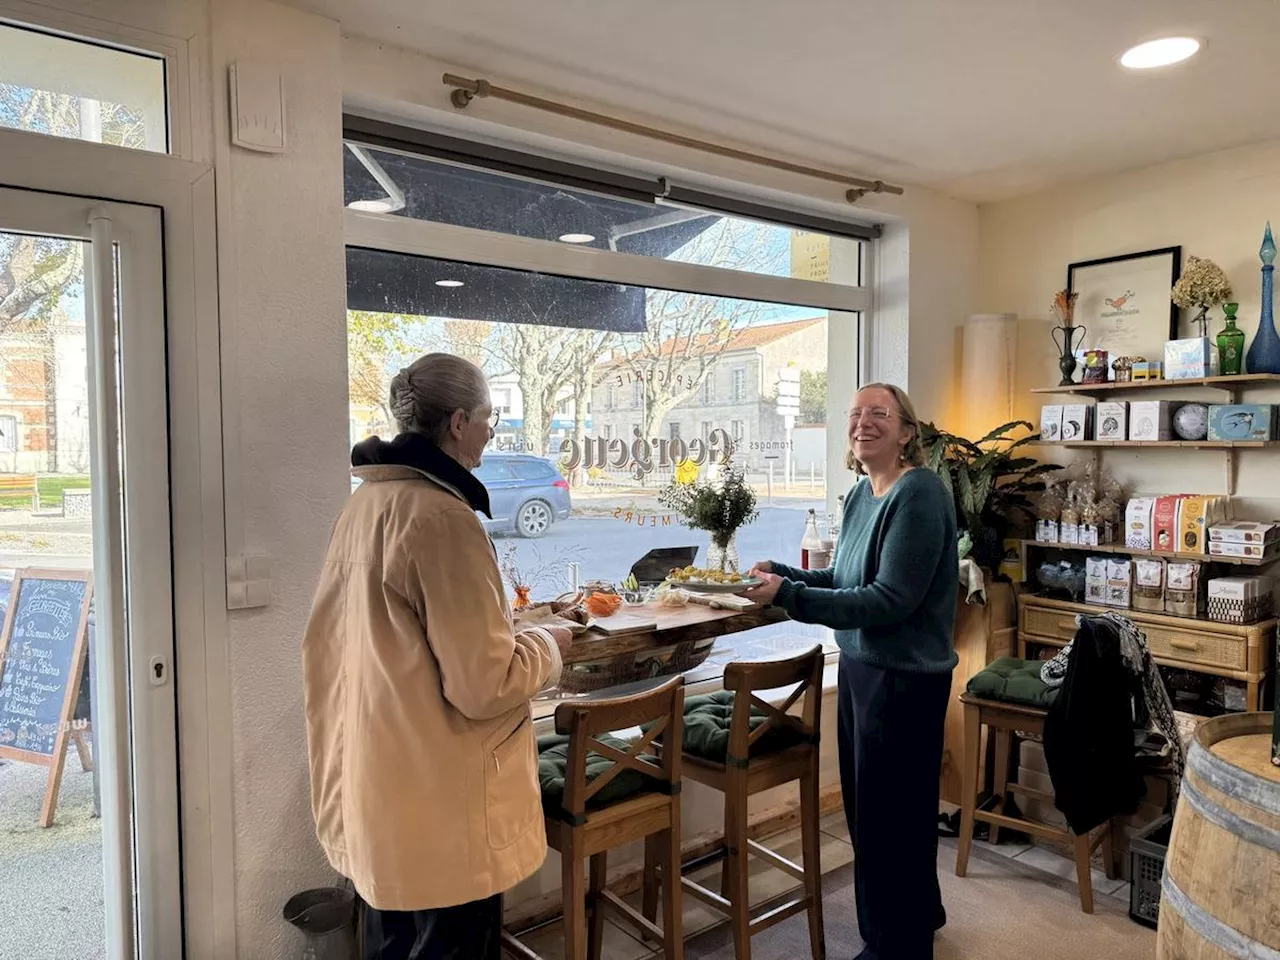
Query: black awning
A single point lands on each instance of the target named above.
(386, 282)
(466, 197)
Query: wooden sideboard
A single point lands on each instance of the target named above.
(1243, 653)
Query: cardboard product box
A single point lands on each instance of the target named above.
(1031, 756)
(1239, 599)
(1147, 370)
(1047, 531)
(1189, 359)
(1051, 423)
(1039, 809)
(1242, 421)
(1138, 518)
(1148, 585)
(1120, 583)
(1150, 420)
(1095, 580)
(1184, 588)
(1193, 514)
(1112, 421)
(1164, 525)
(1077, 421)
(1011, 564)
(1245, 531)
(1253, 551)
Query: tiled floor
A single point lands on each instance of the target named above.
(620, 943)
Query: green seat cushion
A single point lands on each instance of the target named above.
(553, 760)
(1013, 681)
(706, 728)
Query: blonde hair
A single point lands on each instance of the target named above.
(913, 452)
(425, 395)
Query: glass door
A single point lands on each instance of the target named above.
(89, 856)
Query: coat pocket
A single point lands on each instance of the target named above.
(512, 801)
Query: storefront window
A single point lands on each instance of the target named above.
(550, 346)
(420, 188)
(83, 91)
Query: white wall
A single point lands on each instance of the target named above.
(1214, 206)
(283, 312)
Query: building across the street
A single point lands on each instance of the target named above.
(737, 392)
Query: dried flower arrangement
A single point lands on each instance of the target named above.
(1203, 284)
(1064, 306)
(522, 578)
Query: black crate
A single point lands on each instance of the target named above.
(1147, 850)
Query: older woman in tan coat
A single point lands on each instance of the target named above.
(423, 767)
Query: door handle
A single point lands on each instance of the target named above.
(1184, 645)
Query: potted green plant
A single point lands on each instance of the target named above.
(991, 483)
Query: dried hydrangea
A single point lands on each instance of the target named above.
(1202, 285)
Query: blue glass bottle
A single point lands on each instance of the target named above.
(1264, 352)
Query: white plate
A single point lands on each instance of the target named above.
(709, 586)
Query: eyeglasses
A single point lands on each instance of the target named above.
(872, 413)
(496, 417)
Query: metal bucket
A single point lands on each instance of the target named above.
(326, 919)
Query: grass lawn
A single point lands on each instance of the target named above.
(51, 488)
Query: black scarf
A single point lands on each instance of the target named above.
(416, 451)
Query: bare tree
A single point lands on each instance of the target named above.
(685, 334)
(468, 338)
(373, 339)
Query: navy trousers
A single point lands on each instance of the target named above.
(470, 931)
(890, 744)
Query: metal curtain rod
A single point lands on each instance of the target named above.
(464, 91)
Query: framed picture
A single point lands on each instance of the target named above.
(1125, 302)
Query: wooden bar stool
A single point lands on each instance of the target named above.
(612, 792)
(763, 747)
(1006, 719)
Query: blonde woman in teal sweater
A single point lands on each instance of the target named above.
(890, 597)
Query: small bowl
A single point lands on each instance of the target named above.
(637, 597)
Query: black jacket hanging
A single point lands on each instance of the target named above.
(1088, 734)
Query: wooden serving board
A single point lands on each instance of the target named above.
(669, 626)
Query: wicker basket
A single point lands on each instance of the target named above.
(596, 675)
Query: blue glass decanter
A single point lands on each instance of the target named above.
(1264, 352)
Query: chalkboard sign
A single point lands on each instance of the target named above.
(42, 655)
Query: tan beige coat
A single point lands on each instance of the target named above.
(423, 768)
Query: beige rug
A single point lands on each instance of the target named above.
(1002, 910)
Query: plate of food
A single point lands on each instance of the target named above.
(711, 581)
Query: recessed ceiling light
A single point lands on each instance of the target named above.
(371, 206)
(1160, 53)
(576, 237)
(449, 283)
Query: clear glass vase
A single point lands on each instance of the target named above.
(723, 558)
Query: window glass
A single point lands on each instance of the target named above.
(552, 343)
(533, 470)
(421, 188)
(83, 91)
(493, 469)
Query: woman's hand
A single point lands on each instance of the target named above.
(766, 591)
(763, 566)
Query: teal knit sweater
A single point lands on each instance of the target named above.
(891, 594)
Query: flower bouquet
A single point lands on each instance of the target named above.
(718, 506)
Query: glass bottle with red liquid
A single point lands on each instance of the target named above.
(811, 543)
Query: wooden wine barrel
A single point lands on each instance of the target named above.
(1220, 896)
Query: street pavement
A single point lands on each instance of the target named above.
(606, 547)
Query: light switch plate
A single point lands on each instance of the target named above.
(257, 107)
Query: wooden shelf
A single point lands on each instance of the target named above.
(1230, 384)
(1160, 555)
(1139, 444)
